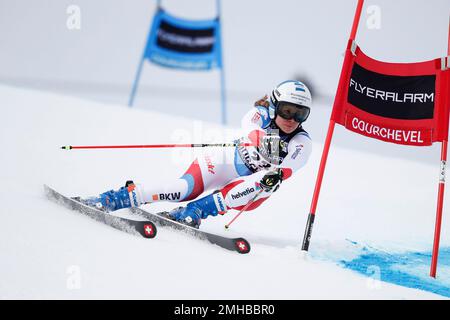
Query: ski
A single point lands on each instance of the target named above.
(146, 229)
(239, 245)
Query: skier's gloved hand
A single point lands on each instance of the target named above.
(272, 180)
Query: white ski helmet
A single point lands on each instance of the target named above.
(290, 91)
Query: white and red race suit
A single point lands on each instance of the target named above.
(237, 181)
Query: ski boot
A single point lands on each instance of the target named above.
(126, 197)
(197, 210)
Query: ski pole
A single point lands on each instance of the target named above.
(244, 208)
(187, 145)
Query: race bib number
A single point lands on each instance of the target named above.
(253, 159)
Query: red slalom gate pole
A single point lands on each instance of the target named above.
(312, 211)
(440, 205)
(323, 161)
(355, 25)
(186, 145)
(441, 189)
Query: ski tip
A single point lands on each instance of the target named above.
(149, 230)
(47, 190)
(66, 147)
(242, 245)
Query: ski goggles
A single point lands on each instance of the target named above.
(290, 111)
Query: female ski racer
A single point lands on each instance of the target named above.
(279, 146)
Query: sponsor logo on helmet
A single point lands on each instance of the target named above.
(299, 96)
(299, 86)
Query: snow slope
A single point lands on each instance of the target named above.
(367, 201)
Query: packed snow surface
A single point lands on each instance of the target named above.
(370, 203)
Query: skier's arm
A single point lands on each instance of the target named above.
(256, 119)
(238, 192)
(299, 150)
